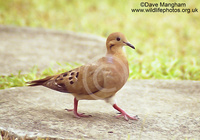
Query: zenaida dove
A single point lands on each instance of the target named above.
(98, 80)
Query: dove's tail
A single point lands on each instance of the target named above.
(39, 82)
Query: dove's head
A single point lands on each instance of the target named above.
(116, 41)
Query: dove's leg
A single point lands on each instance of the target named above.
(76, 114)
(112, 101)
(123, 113)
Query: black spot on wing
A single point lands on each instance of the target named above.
(72, 73)
(65, 74)
(59, 78)
(71, 82)
(77, 74)
(70, 78)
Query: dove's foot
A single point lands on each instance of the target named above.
(76, 114)
(124, 114)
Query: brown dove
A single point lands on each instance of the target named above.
(98, 80)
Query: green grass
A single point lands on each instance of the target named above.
(35, 73)
(167, 45)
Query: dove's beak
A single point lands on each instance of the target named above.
(129, 44)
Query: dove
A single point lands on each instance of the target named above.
(101, 79)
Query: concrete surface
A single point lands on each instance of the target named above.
(167, 110)
(23, 48)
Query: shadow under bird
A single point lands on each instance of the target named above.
(98, 80)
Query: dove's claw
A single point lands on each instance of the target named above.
(124, 114)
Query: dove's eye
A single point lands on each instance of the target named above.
(118, 39)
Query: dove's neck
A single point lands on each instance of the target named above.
(119, 53)
(119, 60)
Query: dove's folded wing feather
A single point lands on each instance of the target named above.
(82, 80)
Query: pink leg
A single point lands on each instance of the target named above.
(76, 114)
(123, 113)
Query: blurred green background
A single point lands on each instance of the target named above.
(167, 45)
